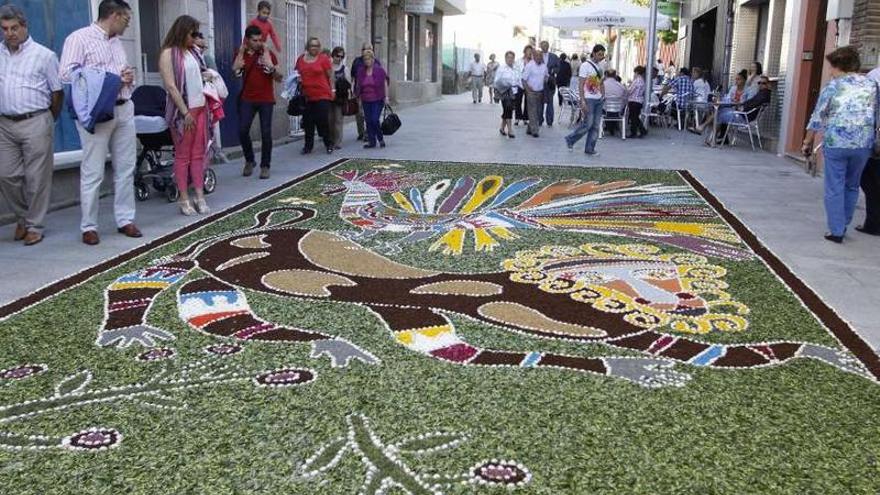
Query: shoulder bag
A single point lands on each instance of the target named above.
(390, 122)
(296, 106)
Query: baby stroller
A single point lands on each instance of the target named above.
(156, 159)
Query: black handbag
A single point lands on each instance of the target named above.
(391, 122)
(297, 105)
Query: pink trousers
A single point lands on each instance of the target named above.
(189, 152)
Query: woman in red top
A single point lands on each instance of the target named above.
(316, 77)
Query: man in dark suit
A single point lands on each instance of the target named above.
(552, 61)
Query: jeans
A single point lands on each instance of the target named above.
(118, 136)
(871, 187)
(189, 152)
(843, 171)
(317, 115)
(248, 111)
(589, 126)
(372, 114)
(548, 111)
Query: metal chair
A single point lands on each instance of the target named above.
(569, 101)
(654, 111)
(746, 122)
(679, 111)
(616, 106)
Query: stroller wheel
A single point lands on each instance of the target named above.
(141, 192)
(210, 181)
(172, 193)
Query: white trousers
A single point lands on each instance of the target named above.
(118, 138)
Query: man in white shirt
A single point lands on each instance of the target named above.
(477, 72)
(592, 94)
(30, 101)
(534, 77)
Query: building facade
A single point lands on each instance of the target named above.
(407, 38)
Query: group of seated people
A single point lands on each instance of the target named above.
(750, 92)
(740, 105)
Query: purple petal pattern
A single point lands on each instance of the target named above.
(93, 439)
(157, 354)
(224, 349)
(503, 473)
(284, 377)
(22, 371)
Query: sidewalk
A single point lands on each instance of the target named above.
(778, 201)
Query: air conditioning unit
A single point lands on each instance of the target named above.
(839, 9)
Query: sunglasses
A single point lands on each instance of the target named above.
(338, 56)
(197, 35)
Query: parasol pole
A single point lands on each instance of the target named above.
(649, 55)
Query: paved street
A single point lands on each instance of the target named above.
(778, 201)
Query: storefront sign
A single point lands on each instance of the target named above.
(419, 7)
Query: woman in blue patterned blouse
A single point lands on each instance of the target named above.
(845, 113)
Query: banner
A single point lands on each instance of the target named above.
(419, 7)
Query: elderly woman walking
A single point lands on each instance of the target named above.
(507, 84)
(371, 81)
(318, 85)
(181, 66)
(846, 114)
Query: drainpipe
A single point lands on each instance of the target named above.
(649, 56)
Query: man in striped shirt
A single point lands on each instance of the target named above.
(30, 101)
(98, 46)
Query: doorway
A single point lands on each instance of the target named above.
(227, 40)
(703, 41)
(151, 41)
(818, 62)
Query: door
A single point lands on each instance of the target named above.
(151, 41)
(818, 62)
(227, 40)
(296, 44)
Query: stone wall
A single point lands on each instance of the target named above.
(866, 31)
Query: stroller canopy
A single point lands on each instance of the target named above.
(149, 101)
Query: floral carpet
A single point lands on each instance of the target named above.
(426, 327)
